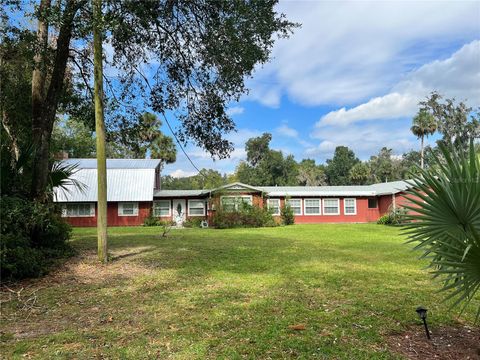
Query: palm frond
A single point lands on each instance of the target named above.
(444, 222)
(61, 179)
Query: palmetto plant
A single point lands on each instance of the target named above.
(445, 222)
(61, 179)
(16, 175)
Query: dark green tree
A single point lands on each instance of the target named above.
(338, 168)
(360, 174)
(423, 125)
(199, 52)
(382, 165)
(311, 174)
(265, 166)
(257, 148)
(455, 121)
(74, 138)
(205, 179)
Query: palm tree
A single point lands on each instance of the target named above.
(424, 124)
(445, 221)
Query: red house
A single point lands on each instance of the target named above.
(134, 192)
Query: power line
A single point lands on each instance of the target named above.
(180, 144)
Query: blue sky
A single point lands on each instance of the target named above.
(353, 75)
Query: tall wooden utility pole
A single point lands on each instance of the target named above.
(100, 133)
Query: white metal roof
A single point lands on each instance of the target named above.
(387, 188)
(122, 185)
(237, 186)
(391, 187)
(318, 191)
(115, 163)
(179, 193)
(134, 180)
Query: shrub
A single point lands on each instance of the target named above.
(33, 237)
(395, 216)
(151, 220)
(287, 215)
(193, 223)
(246, 216)
(385, 220)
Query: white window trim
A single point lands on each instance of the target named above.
(345, 206)
(278, 202)
(169, 207)
(65, 211)
(305, 207)
(236, 196)
(135, 208)
(301, 205)
(338, 207)
(197, 200)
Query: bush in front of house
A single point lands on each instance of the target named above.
(246, 216)
(33, 237)
(193, 222)
(151, 220)
(395, 216)
(287, 215)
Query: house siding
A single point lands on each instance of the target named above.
(363, 213)
(113, 219)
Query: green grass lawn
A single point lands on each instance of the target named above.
(227, 294)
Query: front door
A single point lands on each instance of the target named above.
(179, 211)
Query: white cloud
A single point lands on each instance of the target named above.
(389, 106)
(235, 110)
(348, 52)
(178, 173)
(287, 131)
(364, 139)
(457, 76)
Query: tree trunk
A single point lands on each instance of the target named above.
(40, 70)
(44, 112)
(421, 153)
(100, 133)
(8, 129)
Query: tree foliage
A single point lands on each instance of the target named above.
(311, 174)
(265, 166)
(455, 121)
(423, 125)
(206, 179)
(197, 56)
(338, 168)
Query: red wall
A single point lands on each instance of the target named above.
(112, 216)
(364, 214)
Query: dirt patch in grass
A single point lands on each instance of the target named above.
(26, 312)
(447, 343)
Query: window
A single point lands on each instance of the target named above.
(296, 205)
(350, 206)
(274, 205)
(161, 208)
(232, 203)
(128, 209)
(331, 207)
(78, 210)
(196, 207)
(372, 203)
(312, 206)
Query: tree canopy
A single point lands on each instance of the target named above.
(338, 168)
(184, 59)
